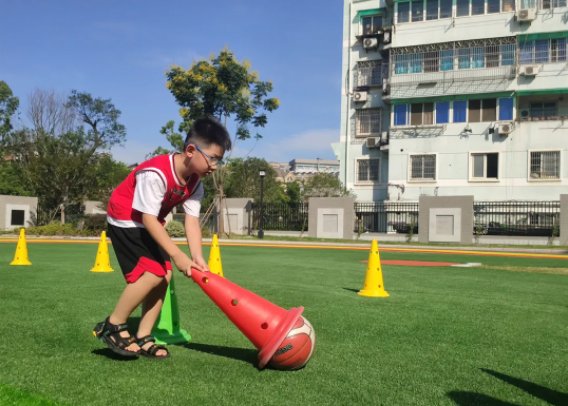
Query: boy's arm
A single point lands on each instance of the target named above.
(193, 235)
(160, 235)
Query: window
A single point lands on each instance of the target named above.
(369, 73)
(445, 8)
(508, 5)
(403, 12)
(367, 170)
(545, 165)
(543, 109)
(447, 59)
(541, 50)
(464, 58)
(17, 218)
(368, 122)
(460, 111)
(507, 54)
(477, 7)
(506, 108)
(492, 6)
(431, 9)
(431, 62)
(492, 56)
(423, 167)
(557, 49)
(526, 50)
(462, 8)
(484, 166)
(482, 110)
(442, 112)
(400, 114)
(421, 113)
(417, 10)
(372, 24)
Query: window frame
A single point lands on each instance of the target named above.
(422, 180)
(358, 112)
(483, 178)
(540, 178)
(368, 181)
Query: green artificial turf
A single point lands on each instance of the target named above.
(445, 335)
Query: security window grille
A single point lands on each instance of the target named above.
(372, 24)
(543, 109)
(369, 73)
(368, 122)
(17, 218)
(545, 165)
(543, 51)
(423, 167)
(485, 166)
(420, 10)
(548, 4)
(367, 170)
(421, 113)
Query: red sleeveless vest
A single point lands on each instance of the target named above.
(119, 206)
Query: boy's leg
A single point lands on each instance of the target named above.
(151, 307)
(134, 294)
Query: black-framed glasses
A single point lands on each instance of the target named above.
(211, 160)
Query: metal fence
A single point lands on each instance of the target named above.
(522, 218)
(382, 217)
(280, 216)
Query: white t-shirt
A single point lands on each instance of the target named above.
(150, 190)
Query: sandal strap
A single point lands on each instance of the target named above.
(155, 348)
(114, 328)
(146, 339)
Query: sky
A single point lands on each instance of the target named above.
(121, 49)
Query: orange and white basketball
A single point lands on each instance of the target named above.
(295, 350)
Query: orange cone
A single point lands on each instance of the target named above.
(21, 254)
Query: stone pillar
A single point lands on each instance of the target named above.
(445, 219)
(331, 217)
(563, 219)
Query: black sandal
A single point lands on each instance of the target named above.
(110, 334)
(153, 349)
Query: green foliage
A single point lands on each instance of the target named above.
(94, 224)
(11, 182)
(294, 192)
(54, 228)
(324, 185)
(175, 229)
(8, 106)
(243, 180)
(107, 174)
(224, 88)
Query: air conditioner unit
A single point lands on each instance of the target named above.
(360, 96)
(386, 87)
(369, 43)
(526, 14)
(387, 37)
(505, 128)
(373, 142)
(529, 70)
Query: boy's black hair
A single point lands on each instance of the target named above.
(206, 131)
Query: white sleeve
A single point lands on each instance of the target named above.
(192, 206)
(149, 192)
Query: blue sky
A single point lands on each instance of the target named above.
(121, 50)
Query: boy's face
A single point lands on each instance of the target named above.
(205, 160)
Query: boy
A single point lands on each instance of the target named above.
(135, 214)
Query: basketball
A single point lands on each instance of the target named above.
(295, 350)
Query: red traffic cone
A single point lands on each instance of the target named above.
(261, 321)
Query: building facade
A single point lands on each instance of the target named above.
(455, 97)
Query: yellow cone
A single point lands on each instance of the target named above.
(215, 265)
(374, 277)
(21, 255)
(102, 262)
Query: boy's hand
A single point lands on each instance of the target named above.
(202, 264)
(184, 264)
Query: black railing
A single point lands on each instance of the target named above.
(523, 218)
(382, 217)
(280, 216)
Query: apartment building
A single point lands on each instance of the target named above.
(455, 97)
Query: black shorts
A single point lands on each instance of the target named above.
(137, 252)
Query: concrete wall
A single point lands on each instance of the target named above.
(94, 207)
(236, 215)
(563, 219)
(446, 219)
(331, 217)
(10, 204)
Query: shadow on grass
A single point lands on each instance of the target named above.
(241, 354)
(107, 352)
(474, 399)
(351, 290)
(548, 395)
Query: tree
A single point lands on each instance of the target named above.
(324, 185)
(8, 106)
(243, 180)
(224, 88)
(294, 192)
(57, 155)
